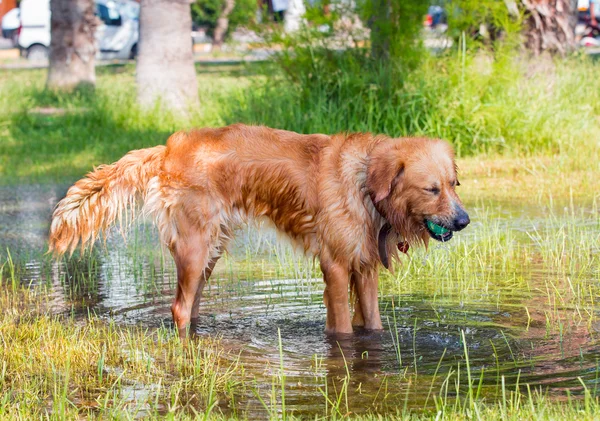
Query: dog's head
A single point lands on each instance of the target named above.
(412, 182)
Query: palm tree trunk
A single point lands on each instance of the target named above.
(293, 15)
(381, 33)
(550, 25)
(72, 45)
(222, 24)
(165, 64)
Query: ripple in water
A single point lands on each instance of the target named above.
(258, 294)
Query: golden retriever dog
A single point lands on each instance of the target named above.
(352, 200)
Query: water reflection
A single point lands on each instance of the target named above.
(133, 283)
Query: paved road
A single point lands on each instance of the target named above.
(5, 44)
(257, 55)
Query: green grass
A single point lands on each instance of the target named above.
(46, 136)
(53, 367)
(482, 104)
(68, 366)
(526, 133)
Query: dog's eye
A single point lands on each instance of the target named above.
(456, 183)
(433, 190)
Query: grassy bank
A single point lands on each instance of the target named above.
(48, 137)
(483, 102)
(54, 367)
(516, 291)
(483, 105)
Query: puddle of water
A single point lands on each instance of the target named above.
(249, 303)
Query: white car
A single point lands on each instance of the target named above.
(10, 25)
(34, 35)
(116, 37)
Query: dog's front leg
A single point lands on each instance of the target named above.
(337, 279)
(366, 306)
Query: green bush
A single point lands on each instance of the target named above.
(484, 21)
(483, 102)
(395, 27)
(483, 98)
(206, 12)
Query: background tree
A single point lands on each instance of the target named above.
(222, 24)
(550, 25)
(395, 29)
(165, 64)
(221, 17)
(293, 15)
(539, 25)
(72, 45)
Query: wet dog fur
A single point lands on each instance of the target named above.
(348, 199)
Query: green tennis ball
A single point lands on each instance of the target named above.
(436, 229)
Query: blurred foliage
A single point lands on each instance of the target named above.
(334, 79)
(336, 46)
(484, 21)
(395, 28)
(483, 101)
(206, 12)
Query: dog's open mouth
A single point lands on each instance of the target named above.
(438, 232)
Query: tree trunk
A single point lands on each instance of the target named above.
(380, 26)
(165, 64)
(72, 44)
(293, 15)
(550, 25)
(222, 24)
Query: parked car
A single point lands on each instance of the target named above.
(436, 15)
(34, 32)
(10, 25)
(116, 36)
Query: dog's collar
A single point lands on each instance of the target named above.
(384, 231)
(380, 211)
(403, 245)
(382, 244)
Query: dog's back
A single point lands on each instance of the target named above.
(248, 172)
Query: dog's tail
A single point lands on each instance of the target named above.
(104, 196)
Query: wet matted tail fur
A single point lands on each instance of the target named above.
(104, 196)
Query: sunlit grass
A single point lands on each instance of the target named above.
(482, 104)
(69, 366)
(47, 136)
(60, 367)
(532, 252)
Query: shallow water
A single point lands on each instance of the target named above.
(509, 331)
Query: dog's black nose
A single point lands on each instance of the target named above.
(461, 220)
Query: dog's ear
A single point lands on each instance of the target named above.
(384, 171)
